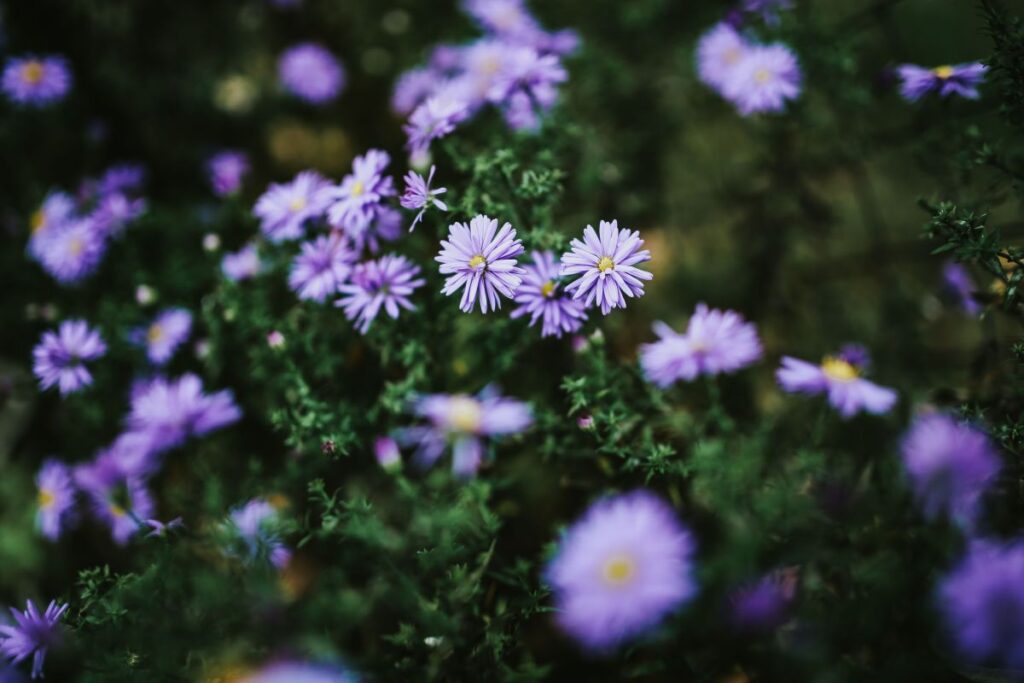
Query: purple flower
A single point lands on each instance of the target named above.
(767, 9)
(763, 80)
(310, 72)
(355, 202)
(541, 296)
(528, 82)
(385, 449)
(621, 569)
(959, 284)
(57, 209)
(503, 17)
(114, 211)
(385, 225)
(56, 498)
(169, 411)
(958, 79)
(385, 283)
(950, 464)
(982, 602)
(847, 391)
(607, 263)
(32, 634)
(60, 356)
(301, 672)
(322, 266)
(480, 263)
(72, 251)
(432, 120)
(121, 179)
(284, 209)
(226, 170)
(257, 526)
(36, 81)
(719, 51)
(165, 334)
(764, 604)
(413, 88)
(715, 342)
(242, 264)
(117, 493)
(418, 195)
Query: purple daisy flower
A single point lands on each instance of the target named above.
(540, 295)
(59, 358)
(310, 72)
(32, 634)
(413, 88)
(256, 525)
(960, 286)
(57, 209)
(72, 251)
(719, 51)
(607, 263)
(284, 209)
(354, 203)
(321, 267)
(621, 569)
(432, 120)
(384, 226)
(715, 342)
(165, 334)
(169, 411)
(419, 195)
(114, 211)
(117, 493)
(528, 83)
(982, 602)
(764, 604)
(959, 79)
(763, 80)
(36, 81)
(385, 283)
(56, 498)
(847, 391)
(226, 170)
(480, 263)
(301, 672)
(950, 464)
(242, 264)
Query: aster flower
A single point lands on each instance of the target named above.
(481, 263)
(434, 119)
(607, 263)
(354, 203)
(958, 79)
(117, 494)
(541, 296)
(764, 80)
(983, 605)
(301, 672)
(60, 357)
(57, 209)
(418, 195)
(114, 211)
(56, 498)
(768, 10)
(764, 604)
(841, 380)
(256, 525)
(121, 179)
(36, 81)
(413, 88)
(384, 226)
(719, 50)
(165, 334)
(385, 283)
(715, 342)
(321, 267)
(284, 209)
(503, 17)
(529, 83)
(169, 411)
(242, 264)
(32, 634)
(620, 570)
(226, 170)
(310, 72)
(950, 464)
(72, 251)
(961, 287)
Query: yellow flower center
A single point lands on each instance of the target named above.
(548, 288)
(46, 498)
(762, 75)
(838, 369)
(155, 333)
(32, 72)
(943, 72)
(618, 570)
(477, 261)
(490, 66)
(732, 56)
(37, 221)
(117, 510)
(76, 246)
(465, 414)
(605, 264)
(357, 188)
(299, 203)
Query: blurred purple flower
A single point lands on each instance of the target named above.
(434, 119)
(413, 88)
(59, 358)
(323, 265)
(959, 79)
(117, 493)
(764, 604)
(226, 171)
(114, 211)
(385, 283)
(32, 634)
(310, 72)
(169, 411)
(764, 80)
(959, 284)
(257, 525)
(847, 391)
(36, 81)
(607, 264)
(481, 263)
(242, 264)
(56, 210)
(72, 251)
(165, 334)
(56, 498)
(719, 50)
(354, 203)
(385, 449)
(541, 296)
(284, 209)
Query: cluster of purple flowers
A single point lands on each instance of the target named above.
(36, 81)
(310, 72)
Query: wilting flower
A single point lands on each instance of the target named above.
(607, 264)
(434, 119)
(763, 80)
(165, 334)
(763, 604)
(620, 569)
(226, 170)
(719, 50)
(169, 411)
(301, 672)
(418, 195)
(982, 602)
(959, 284)
(31, 634)
(56, 210)
(257, 525)
(284, 209)
(385, 283)
(60, 356)
(310, 72)
(36, 81)
(480, 262)
(323, 265)
(72, 251)
(56, 498)
(116, 489)
(950, 464)
(356, 201)
(541, 296)
(715, 342)
(242, 264)
(841, 379)
(959, 79)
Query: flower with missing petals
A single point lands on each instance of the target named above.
(56, 498)
(36, 81)
(481, 263)
(958, 79)
(419, 195)
(385, 283)
(164, 335)
(841, 380)
(285, 209)
(323, 265)
(542, 297)
(32, 634)
(60, 357)
(607, 264)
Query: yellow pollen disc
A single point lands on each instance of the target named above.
(477, 261)
(605, 264)
(37, 221)
(32, 72)
(155, 333)
(943, 72)
(618, 569)
(76, 246)
(117, 510)
(762, 75)
(838, 369)
(548, 288)
(46, 498)
(299, 203)
(465, 414)
(357, 188)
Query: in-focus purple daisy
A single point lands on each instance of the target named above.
(242, 264)
(57, 209)
(114, 211)
(354, 203)
(385, 283)
(764, 604)
(961, 287)
(255, 527)
(36, 81)
(481, 263)
(841, 380)
(284, 209)
(764, 80)
(56, 498)
(435, 118)
(301, 672)
(72, 251)
(419, 195)
(165, 334)
(950, 464)
(322, 266)
(982, 602)
(541, 296)
(958, 79)
(715, 342)
(607, 263)
(60, 357)
(310, 72)
(117, 494)
(768, 10)
(32, 634)
(226, 170)
(169, 411)
(621, 569)
(719, 51)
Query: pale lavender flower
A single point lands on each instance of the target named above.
(242, 264)
(310, 72)
(72, 251)
(60, 357)
(764, 80)
(841, 380)
(719, 51)
(432, 120)
(413, 88)
(169, 411)
(57, 209)
(419, 195)
(958, 79)
(36, 81)
(481, 263)
(620, 570)
(275, 339)
(323, 265)
(607, 264)
(165, 334)
(117, 494)
(385, 283)
(257, 526)
(284, 209)
(528, 83)
(226, 171)
(959, 284)
(541, 297)
(56, 498)
(503, 17)
(114, 211)
(354, 203)
(32, 634)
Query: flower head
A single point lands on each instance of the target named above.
(763, 604)
(354, 203)
(719, 50)
(419, 195)
(620, 570)
(165, 334)
(541, 296)
(384, 226)
(114, 211)
(481, 263)
(36, 81)
(607, 264)
(32, 634)
(959, 79)
(385, 449)
(242, 264)
(385, 283)
(257, 526)
(528, 82)
(284, 209)
(310, 72)
(57, 209)
(169, 411)
(841, 380)
(226, 171)
(60, 357)
(121, 179)
(434, 119)
(56, 498)
(413, 88)
(72, 251)
(765, 79)
(115, 487)
(961, 287)
(323, 265)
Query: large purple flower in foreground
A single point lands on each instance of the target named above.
(434, 119)
(607, 263)
(385, 283)
(961, 79)
(72, 251)
(323, 265)
(839, 378)
(542, 298)
(715, 342)
(59, 358)
(719, 50)
(56, 498)
(355, 203)
(301, 672)
(284, 209)
(310, 72)
(480, 260)
(226, 170)
(169, 411)
(621, 569)
(255, 526)
(764, 80)
(31, 634)
(419, 195)
(165, 334)
(117, 493)
(36, 81)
